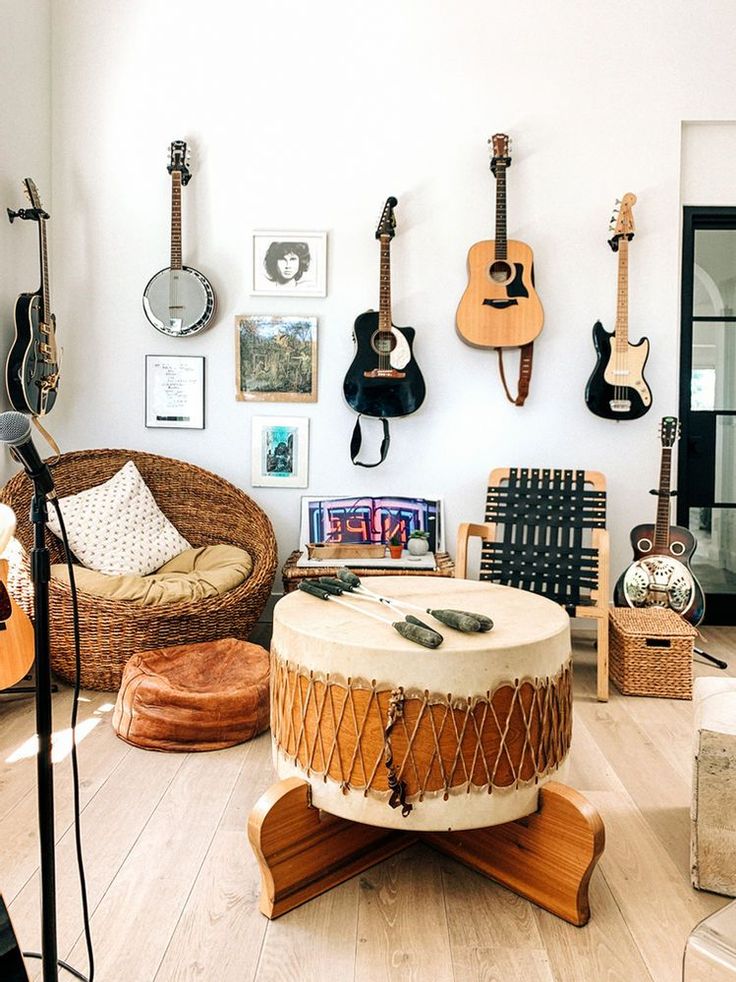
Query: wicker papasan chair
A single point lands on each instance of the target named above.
(205, 508)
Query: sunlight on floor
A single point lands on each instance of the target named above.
(61, 740)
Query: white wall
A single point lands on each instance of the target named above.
(308, 116)
(25, 124)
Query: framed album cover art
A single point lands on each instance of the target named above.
(280, 452)
(175, 391)
(276, 358)
(289, 264)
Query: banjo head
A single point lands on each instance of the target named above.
(179, 302)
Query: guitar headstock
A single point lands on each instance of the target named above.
(387, 221)
(500, 150)
(622, 220)
(32, 194)
(179, 160)
(669, 431)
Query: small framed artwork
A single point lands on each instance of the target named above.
(175, 391)
(275, 358)
(289, 264)
(280, 452)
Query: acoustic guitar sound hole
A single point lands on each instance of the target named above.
(383, 342)
(500, 271)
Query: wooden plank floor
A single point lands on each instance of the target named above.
(174, 888)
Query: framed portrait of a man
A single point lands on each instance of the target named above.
(289, 264)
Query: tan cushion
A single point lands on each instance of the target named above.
(194, 697)
(194, 575)
(117, 528)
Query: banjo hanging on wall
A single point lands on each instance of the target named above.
(179, 300)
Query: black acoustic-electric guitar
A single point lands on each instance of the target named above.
(617, 388)
(384, 380)
(32, 368)
(660, 575)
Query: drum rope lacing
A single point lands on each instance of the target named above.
(307, 724)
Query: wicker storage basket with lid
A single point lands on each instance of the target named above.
(651, 652)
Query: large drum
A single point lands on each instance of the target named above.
(474, 726)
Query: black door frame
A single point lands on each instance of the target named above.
(720, 607)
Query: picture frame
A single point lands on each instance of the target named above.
(275, 358)
(289, 264)
(174, 391)
(280, 451)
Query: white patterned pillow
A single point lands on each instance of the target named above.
(117, 527)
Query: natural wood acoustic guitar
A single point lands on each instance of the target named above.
(16, 630)
(500, 307)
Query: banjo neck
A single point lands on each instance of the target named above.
(176, 219)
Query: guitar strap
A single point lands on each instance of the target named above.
(48, 438)
(525, 373)
(357, 439)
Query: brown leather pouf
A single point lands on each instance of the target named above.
(194, 696)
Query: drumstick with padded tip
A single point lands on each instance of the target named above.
(461, 620)
(412, 632)
(333, 585)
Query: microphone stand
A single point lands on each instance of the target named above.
(40, 575)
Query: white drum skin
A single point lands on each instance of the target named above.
(322, 643)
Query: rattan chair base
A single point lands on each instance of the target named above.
(547, 857)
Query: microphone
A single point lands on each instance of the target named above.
(15, 432)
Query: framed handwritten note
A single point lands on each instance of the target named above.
(175, 391)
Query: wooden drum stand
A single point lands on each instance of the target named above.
(376, 748)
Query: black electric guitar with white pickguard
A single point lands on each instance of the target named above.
(617, 388)
(32, 368)
(660, 575)
(179, 300)
(384, 380)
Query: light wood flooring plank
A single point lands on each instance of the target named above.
(124, 803)
(493, 934)
(18, 774)
(315, 942)
(98, 756)
(221, 930)
(142, 906)
(402, 925)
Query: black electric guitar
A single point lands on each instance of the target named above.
(383, 379)
(617, 388)
(660, 575)
(179, 300)
(32, 368)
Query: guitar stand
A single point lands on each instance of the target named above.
(718, 662)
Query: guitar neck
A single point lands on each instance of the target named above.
(662, 527)
(384, 306)
(501, 241)
(44, 262)
(176, 219)
(622, 302)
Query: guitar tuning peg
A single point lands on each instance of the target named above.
(618, 201)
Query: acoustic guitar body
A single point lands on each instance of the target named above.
(500, 307)
(376, 395)
(662, 578)
(617, 388)
(16, 636)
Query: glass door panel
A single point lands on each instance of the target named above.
(706, 503)
(714, 292)
(714, 562)
(713, 371)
